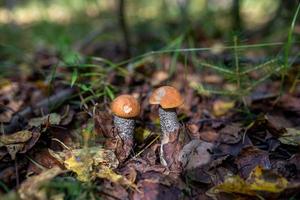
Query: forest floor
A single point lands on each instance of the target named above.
(57, 140)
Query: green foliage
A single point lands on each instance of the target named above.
(71, 188)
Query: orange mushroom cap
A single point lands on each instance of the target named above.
(166, 97)
(125, 106)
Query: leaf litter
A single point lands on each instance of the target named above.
(225, 153)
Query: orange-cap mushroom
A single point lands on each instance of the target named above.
(166, 97)
(169, 99)
(125, 106)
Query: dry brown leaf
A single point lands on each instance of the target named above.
(51, 119)
(13, 149)
(32, 187)
(11, 104)
(195, 154)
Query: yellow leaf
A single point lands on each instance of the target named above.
(109, 174)
(233, 184)
(260, 180)
(86, 162)
(263, 180)
(81, 165)
(222, 107)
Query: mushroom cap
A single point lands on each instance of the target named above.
(125, 106)
(166, 97)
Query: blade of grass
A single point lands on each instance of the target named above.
(287, 49)
(74, 77)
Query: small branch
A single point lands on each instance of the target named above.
(89, 38)
(236, 19)
(124, 27)
(17, 121)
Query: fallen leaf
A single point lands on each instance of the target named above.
(249, 158)
(109, 174)
(209, 136)
(81, 165)
(86, 162)
(260, 181)
(18, 137)
(13, 149)
(221, 107)
(11, 104)
(231, 134)
(152, 190)
(290, 137)
(264, 180)
(195, 154)
(224, 149)
(41, 160)
(32, 187)
(20, 142)
(52, 119)
(3, 153)
(113, 191)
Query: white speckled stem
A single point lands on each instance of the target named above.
(125, 127)
(168, 120)
(169, 124)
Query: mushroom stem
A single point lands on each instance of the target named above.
(169, 126)
(168, 120)
(125, 127)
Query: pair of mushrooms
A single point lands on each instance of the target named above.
(126, 108)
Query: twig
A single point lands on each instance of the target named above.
(124, 27)
(236, 18)
(17, 121)
(86, 41)
(139, 153)
(17, 173)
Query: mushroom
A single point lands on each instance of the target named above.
(125, 108)
(168, 98)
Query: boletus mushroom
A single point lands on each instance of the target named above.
(168, 98)
(125, 109)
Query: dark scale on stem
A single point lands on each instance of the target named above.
(168, 120)
(125, 127)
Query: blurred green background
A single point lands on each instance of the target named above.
(69, 28)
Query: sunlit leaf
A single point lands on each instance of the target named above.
(86, 162)
(260, 180)
(109, 174)
(13, 149)
(222, 107)
(18, 137)
(52, 119)
(81, 165)
(290, 137)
